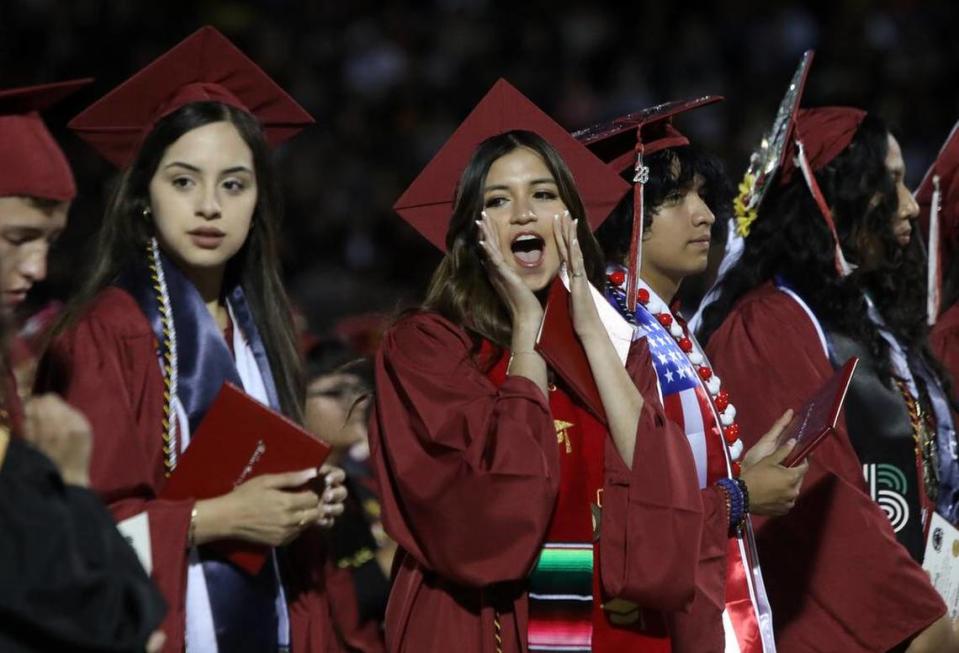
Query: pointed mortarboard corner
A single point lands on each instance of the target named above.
(938, 199)
(428, 203)
(622, 143)
(771, 154)
(31, 162)
(205, 66)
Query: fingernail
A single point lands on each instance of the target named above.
(483, 213)
(478, 222)
(566, 213)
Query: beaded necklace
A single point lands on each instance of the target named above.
(678, 330)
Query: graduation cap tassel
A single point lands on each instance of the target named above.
(843, 267)
(636, 238)
(934, 279)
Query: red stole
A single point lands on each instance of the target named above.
(581, 439)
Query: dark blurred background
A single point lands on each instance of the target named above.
(389, 81)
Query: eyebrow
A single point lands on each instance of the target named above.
(542, 180)
(193, 168)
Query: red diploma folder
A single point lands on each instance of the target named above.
(563, 352)
(818, 416)
(240, 438)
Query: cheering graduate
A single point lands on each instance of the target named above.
(69, 580)
(186, 295)
(680, 191)
(814, 286)
(524, 522)
(938, 198)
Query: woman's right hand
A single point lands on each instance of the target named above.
(263, 510)
(773, 488)
(522, 304)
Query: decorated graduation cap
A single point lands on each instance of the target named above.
(623, 143)
(938, 199)
(31, 162)
(204, 67)
(428, 203)
(806, 140)
(769, 157)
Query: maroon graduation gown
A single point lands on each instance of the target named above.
(106, 365)
(837, 578)
(944, 341)
(468, 476)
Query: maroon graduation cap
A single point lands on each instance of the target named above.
(428, 203)
(819, 136)
(938, 199)
(623, 143)
(205, 66)
(31, 162)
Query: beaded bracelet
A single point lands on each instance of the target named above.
(737, 506)
(745, 490)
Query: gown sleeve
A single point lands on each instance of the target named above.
(837, 578)
(69, 580)
(652, 517)
(105, 365)
(468, 472)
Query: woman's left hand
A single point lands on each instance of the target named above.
(331, 501)
(586, 322)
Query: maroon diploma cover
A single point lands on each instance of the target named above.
(818, 416)
(238, 439)
(564, 353)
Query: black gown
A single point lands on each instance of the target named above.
(68, 579)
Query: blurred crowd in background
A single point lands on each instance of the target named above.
(388, 82)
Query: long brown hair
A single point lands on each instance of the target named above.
(125, 232)
(460, 289)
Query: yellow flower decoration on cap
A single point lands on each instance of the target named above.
(745, 216)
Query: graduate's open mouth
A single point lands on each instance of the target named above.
(528, 249)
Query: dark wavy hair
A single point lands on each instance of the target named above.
(460, 289)
(672, 172)
(790, 239)
(125, 232)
